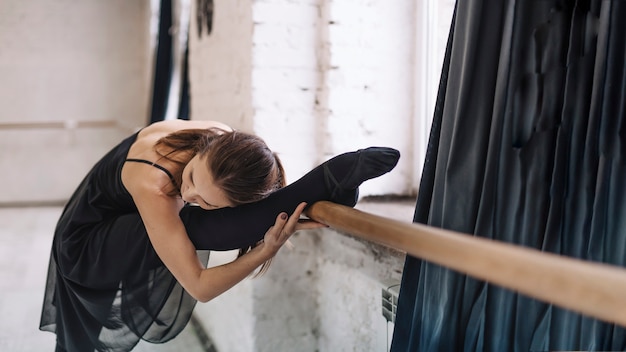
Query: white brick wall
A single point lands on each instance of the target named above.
(370, 90)
(220, 66)
(316, 78)
(313, 78)
(285, 81)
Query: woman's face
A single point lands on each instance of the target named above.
(197, 186)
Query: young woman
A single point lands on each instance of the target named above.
(129, 256)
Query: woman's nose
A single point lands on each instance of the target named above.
(187, 194)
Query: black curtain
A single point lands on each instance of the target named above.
(163, 64)
(184, 110)
(527, 146)
(164, 67)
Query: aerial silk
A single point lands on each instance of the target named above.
(528, 146)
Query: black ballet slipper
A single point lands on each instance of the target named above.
(346, 172)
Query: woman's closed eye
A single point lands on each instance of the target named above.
(203, 190)
(200, 202)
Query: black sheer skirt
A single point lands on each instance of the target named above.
(118, 291)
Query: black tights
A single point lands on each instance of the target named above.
(336, 180)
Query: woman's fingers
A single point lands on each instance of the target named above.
(285, 226)
(295, 223)
(308, 224)
(290, 226)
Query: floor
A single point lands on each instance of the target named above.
(25, 238)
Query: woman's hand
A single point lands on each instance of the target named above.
(284, 227)
(218, 279)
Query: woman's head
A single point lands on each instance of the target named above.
(224, 169)
(227, 168)
(243, 166)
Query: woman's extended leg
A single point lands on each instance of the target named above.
(336, 180)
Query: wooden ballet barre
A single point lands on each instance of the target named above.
(594, 289)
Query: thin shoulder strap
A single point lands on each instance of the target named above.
(167, 172)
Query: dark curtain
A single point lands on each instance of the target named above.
(527, 146)
(183, 106)
(164, 67)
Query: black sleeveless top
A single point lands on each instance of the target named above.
(106, 286)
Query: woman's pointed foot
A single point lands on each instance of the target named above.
(344, 173)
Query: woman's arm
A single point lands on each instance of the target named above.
(160, 215)
(168, 236)
(225, 276)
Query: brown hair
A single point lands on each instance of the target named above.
(241, 164)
